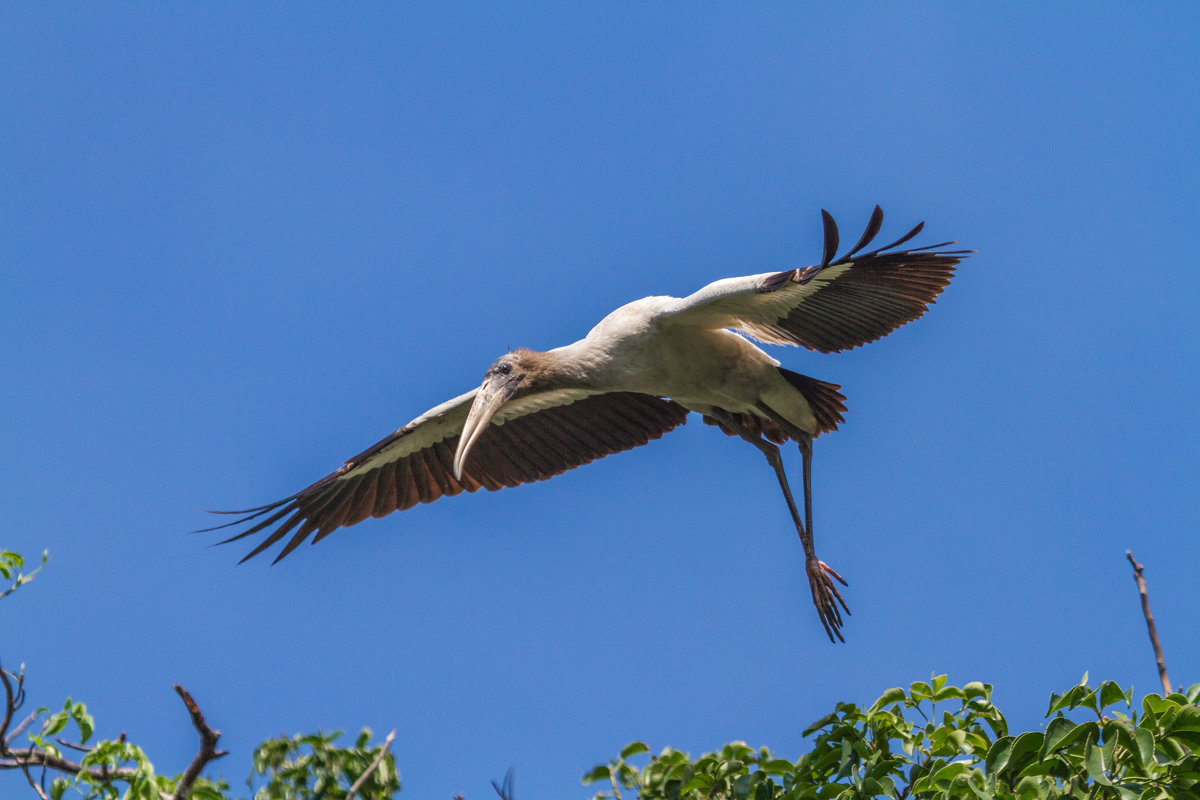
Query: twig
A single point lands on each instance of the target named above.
(208, 746)
(13, 699)
(1158, 654)
(354, 787)
(73, 745)
(24, 579)
(25, 723)
(612, 780)
(33, 783)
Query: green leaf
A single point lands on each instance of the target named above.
(1087, 699)
(947, 693)
(976, 689)
(1187, 719)
(1175, 752)
(1110, 693)
(1030, 788)
(84, 721)
(1154, 704)
(741, 787)
(633, 749)
(1145, 744)
(948, 772)
(54, 723)
(1024, 747)
(1058, 729)
(1119, 730)
(828, 719)
(997, 755)
(777, 766)
(1093, 762)
(601, 772)
(893, 695)
(1045, 766)
(1065, 733)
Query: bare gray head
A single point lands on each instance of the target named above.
(512, 375)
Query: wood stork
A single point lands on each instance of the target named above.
(635, 376)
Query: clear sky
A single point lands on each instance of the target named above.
(241, 242)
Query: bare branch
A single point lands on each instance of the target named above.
(41, 792)
(208, 746)
(374, 765)
(18, 759)
(25, 723)
(1158, 653)
(13, 699)
(612, 779)
(74, 745)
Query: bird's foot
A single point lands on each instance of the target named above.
(821, 578)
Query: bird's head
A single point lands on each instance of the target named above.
(512, 375)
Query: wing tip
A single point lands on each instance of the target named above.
(831, 237)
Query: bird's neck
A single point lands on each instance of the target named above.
(555, 369)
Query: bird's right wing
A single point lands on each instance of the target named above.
(533, 439)
(835, 305)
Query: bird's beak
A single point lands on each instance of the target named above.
(494, 393)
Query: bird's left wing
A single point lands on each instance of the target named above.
(532, 439)
(835, 305)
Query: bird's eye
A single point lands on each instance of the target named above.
(504, 369)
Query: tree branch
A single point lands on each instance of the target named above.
(374, 765)
(73, 745)
(24, 758)
(208, 746)
(19, 759)
(25, 723)
(1158, 654)
(41, 793)
(13, 698)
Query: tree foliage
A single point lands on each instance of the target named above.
(306, 767)
(935, 740)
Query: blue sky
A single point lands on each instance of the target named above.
(240, 243)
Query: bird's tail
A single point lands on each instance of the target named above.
(827, 403)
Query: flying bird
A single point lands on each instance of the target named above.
(634, 377)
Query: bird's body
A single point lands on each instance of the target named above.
(632, 378)
(645, 347)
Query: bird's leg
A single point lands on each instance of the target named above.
(820, 574)
(824, 591)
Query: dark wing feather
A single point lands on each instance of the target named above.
(867, 299)
(873, 226)
(532, 447)
(831, 238)
(835, 305)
